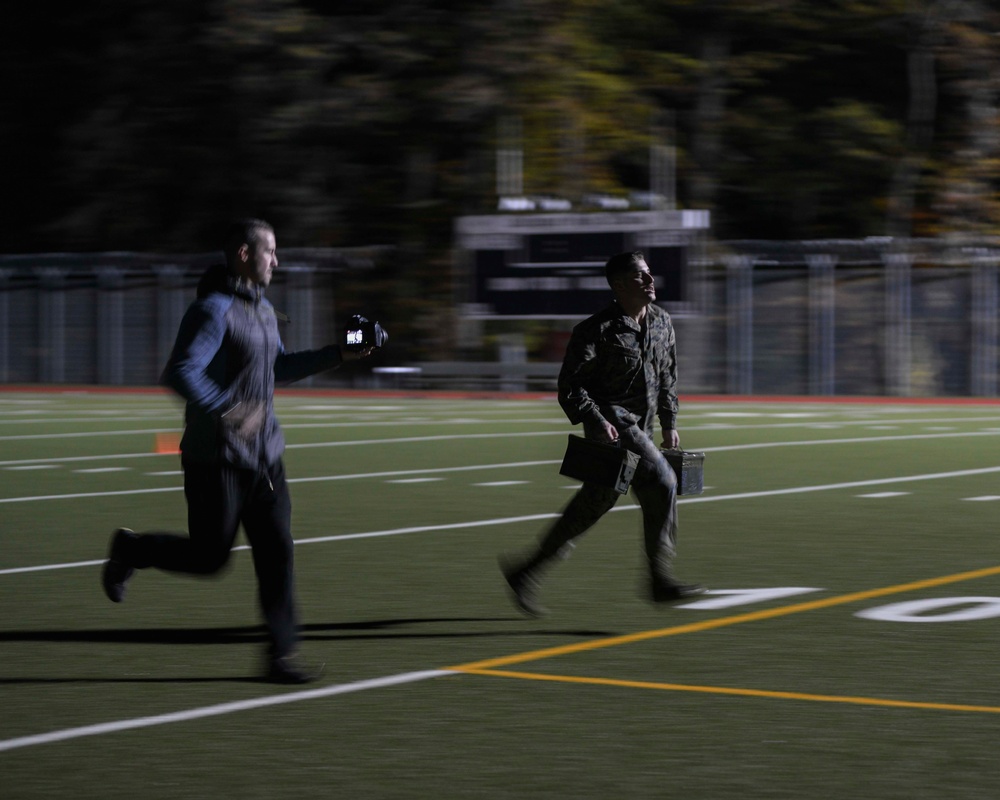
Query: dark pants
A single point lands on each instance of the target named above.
(219, 498)
(654, 486)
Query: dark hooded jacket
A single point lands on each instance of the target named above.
(225, 362)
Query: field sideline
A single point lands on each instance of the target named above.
(849, 548)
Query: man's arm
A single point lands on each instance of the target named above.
(667, 405)
(576, 402)
(198, 340)
(290, 367)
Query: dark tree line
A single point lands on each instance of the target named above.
(132, 125)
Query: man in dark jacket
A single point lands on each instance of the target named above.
(618, 376)
(225, 362)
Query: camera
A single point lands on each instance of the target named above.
(362, 333)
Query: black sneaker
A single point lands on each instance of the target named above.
(523, 590)
(117, 573)
(666, 591)
(288, 670)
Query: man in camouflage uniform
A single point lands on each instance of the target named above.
(618, 376)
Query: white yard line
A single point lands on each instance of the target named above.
(83, 495)
(415, 439)
(708, 426)
(562, 432)
(86, 420)
(320, 478)
(219, 709)
(292, 426)
(931, 476)
(300, 446)
(906, 437)
(539, 517)
(75, 459)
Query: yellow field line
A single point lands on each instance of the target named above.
(722, 622)
(677, 687)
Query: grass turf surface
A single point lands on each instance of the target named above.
(401, 506)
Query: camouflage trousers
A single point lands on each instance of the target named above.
(654, 486)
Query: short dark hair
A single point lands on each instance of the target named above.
(621, 263)
(244, 231)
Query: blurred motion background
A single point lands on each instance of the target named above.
(822, 179)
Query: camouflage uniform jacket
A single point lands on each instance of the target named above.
(620, 372)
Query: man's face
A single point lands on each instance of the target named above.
(259, 258)
(636, 288)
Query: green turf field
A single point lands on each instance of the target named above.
(849, 648)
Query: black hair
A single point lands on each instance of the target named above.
(244, 231)
(621, 263)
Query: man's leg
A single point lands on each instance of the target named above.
(655, 487)
(267, 520)
(214, 495)
(588, 505)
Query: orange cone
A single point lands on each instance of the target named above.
(168, 443)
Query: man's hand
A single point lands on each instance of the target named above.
(672, 439)
(245, 419)
(354, 355)
(607, 432)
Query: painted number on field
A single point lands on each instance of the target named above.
(934, 609)
(727, 598)
(962, 609)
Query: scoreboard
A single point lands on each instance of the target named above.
(549, 266)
